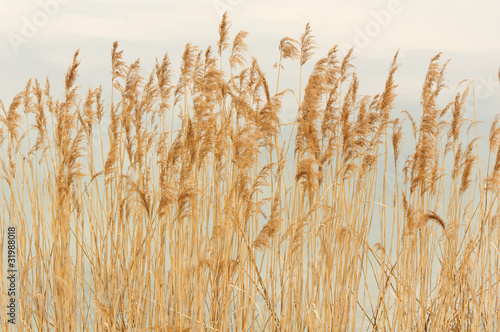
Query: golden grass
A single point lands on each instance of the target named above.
(206, 226)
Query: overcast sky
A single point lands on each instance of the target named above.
(38, 38)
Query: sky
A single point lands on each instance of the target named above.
(38, 39)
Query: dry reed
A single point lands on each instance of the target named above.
(202, 224)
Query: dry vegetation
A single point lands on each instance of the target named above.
(209, 227)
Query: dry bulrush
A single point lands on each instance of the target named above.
(188, 216)
(307, 133)
(429, 216)
(223, 42)
(271, 228)
(306, 45)
(397, 135)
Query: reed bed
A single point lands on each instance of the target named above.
(186, 213)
